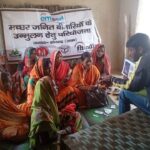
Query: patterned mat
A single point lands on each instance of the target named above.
(93, 118)
(130, 131)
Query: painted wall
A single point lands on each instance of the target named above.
(105, 13)
(127, 24)
(109, 17)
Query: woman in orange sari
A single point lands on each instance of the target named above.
(84, 77)
(101, 60)
(40, 69)
(61, 73)
(14, 124)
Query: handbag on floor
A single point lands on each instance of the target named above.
(96, 98)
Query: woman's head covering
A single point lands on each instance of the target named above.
(29, 56)
(107, 65)
(53, 60)
(39, 68)
(94, 52)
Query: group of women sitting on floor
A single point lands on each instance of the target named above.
(51, 91)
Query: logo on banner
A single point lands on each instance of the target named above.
(48, 18)
(80, 47)
(65, 49)
(42, 51)
(45, 17)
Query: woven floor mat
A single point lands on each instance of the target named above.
(130, 131)
(92, 118)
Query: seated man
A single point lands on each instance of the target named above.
(139, 50)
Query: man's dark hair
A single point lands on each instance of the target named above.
(139, 40)
(85, 55)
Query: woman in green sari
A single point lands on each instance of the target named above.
(46, 120)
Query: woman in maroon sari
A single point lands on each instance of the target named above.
(101, 60)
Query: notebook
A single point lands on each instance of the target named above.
(128, 67)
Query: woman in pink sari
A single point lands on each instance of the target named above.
(101, 60)
(61, 73)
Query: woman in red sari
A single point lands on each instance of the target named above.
(60, 68)
(29, 61)
(21, 77)
(101, 60)
(85, 76)
(61, 73)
